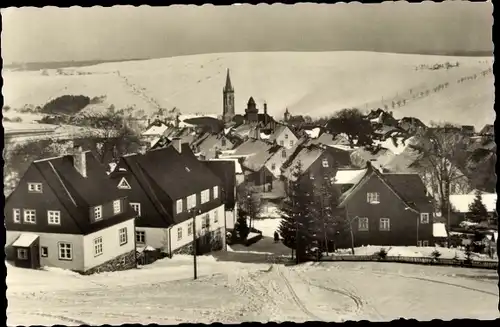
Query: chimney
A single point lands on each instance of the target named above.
(257, 133)
(265, 114)
(177, 144)
(80, 160)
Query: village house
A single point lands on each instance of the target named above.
(284, 137)
(316, 161)
(255, 154)
(387, 209)
(279, 157)
(167, 188)
(209, 145)
(226, 170)
(66, 213)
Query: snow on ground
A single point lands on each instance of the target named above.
(269, 211)
(311, 84)
(267, 226)
(413, 251)
(232, 292)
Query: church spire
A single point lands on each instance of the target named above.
(229, 86)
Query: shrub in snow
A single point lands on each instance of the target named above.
(435, 254)
(381, 254)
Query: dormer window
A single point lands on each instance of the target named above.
(35, 187)
(325, 163)
(98, 213)
(205, 196)
(117, 207)
(216, 192)
(179, 206)
(191, 201)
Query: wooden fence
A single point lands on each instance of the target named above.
(416, 260)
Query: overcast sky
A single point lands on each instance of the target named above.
(125, 32)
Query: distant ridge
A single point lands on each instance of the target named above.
(30, 66)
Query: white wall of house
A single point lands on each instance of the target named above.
(155, 237)
(50, 241)
(111, 247)
(286, 136)
(176, 242)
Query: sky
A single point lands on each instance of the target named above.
(125, 32)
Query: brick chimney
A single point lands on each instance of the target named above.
(265, 114)
(80, 160)
(177, 144)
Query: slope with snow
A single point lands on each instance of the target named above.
(308, 83)
(231, 292)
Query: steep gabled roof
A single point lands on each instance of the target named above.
(306, 155)
(278, 130)
(278, 159)
(258, 153)
(78, 194)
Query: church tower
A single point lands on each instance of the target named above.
(228, 100)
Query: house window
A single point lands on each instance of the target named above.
(44, 252)
(179, 233)
(273, 166)
(206, 221)
(30, 216)
(216, 192)
(425, 243)
(363, 224)
(122, 234)
(22, 254)
(137, 208)
(282, 143)
(98, 213)
(385, 224)
(35, 187)
(54, 217)
(97, 246)
(311, 176)
(65, 251)
(223, 142)
(216, 216)
(16, 215)
(283, 154)
(419, 243)
(424, 218)
(373, 197)
(117, 207)
(191, 201)
(123, 184)
(179, 206)
(205, 196)
(190, 229)
(291, 142)
(325, 163)
(140, 237)
(286, 136)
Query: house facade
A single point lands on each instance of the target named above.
(168, 187)
(388, 209)
(284, 137)
(209, 145)
(65, 213)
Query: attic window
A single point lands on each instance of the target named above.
(286, 136)
(35, 187)
(283, 153)
(124, 185)
(373, 198)
(325, 163)
(223, 142)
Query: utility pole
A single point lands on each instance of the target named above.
(195, 266)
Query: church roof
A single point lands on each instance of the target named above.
(251, 101)
(229, 86)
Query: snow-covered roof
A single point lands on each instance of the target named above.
(313, 133)
(398, 148)
(112, 167)
(439, 230)
(495, 234)
(25, 240)
(460, 202)
(155, 130)
(237, 164)
(264, 136)
(342, 147)
(349, 176)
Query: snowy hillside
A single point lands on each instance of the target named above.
(307, 83)
(231, 292)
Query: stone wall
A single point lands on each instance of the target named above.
(122, 262)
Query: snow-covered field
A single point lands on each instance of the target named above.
(309, 83)
(231, 292)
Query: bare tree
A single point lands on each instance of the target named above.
(443, 151)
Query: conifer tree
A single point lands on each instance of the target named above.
(477, 210)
